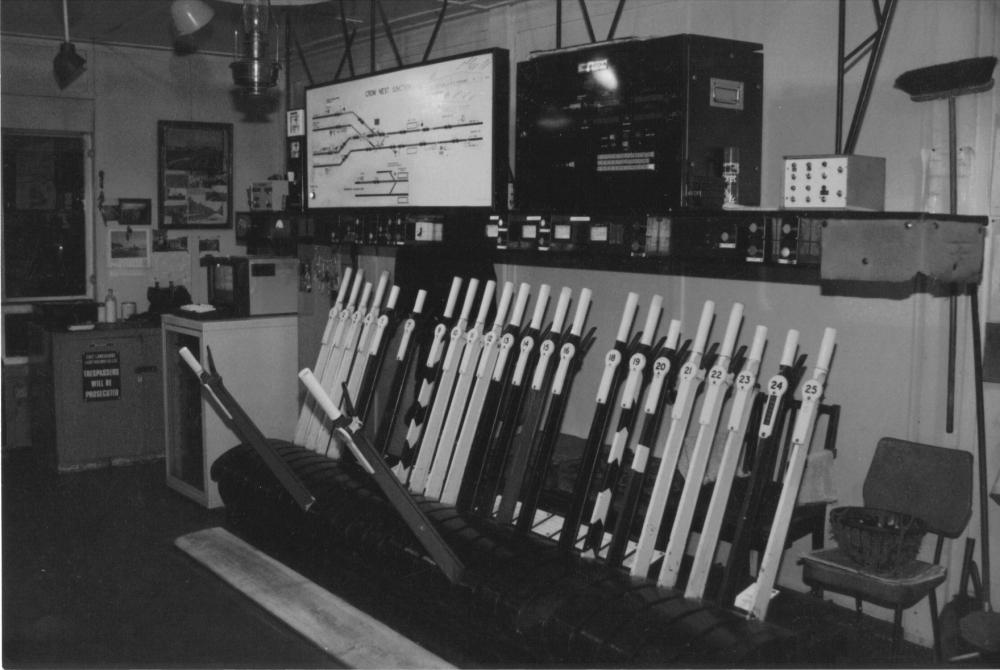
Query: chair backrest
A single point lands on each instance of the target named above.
(928, 482)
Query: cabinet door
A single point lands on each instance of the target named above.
(185, 445)
(99, 413)
(149, 387)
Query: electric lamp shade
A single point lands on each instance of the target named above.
(68, 64)
(190, 16)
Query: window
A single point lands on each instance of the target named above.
(45, 236)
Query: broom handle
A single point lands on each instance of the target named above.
(984, 510)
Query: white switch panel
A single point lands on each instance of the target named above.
(834, 182)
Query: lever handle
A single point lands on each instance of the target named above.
(628, 315)
(652, 317)
(456, 286)
(541, 302)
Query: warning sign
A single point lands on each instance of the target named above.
(102, 376)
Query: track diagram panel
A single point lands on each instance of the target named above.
(415, 137)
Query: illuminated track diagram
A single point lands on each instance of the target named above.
(420, 137)
(374, 140)
(396, 181)
(361, 137)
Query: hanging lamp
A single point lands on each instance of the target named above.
(68, 64)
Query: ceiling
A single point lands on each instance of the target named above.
(148, 23)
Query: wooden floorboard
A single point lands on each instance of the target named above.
(341, 630)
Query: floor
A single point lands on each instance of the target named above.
(91, 578)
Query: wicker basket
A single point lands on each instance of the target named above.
(877, 539)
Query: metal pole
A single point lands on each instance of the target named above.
(614, 21)
(434, 33)
(558, 24)
(288, 60)
(586, 20)
(984, 517)
(952, 299)
(388, 32)
(346, 58)
(841, 13)
(857, 53)
(348, 39)
(869, 80)
(952, 158)
(371, 35)
(302, 59)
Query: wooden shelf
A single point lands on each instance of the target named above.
(941, 246)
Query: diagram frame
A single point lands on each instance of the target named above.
(498, 163)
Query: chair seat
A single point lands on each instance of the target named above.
(833, 569)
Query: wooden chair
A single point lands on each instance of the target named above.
(928, 482)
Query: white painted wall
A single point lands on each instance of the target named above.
(889, 368)
(118, 100)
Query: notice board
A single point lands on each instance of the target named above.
(102, 376)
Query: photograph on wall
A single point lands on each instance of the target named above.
(195, 174)
(208, 244)
(162, 242)
(128, 248)
(134, 211)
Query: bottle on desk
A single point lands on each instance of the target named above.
(111, 307)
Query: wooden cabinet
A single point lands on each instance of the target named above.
(257, 359)
(104, 401)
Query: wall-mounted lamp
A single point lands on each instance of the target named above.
(255, 70)
(68, 64)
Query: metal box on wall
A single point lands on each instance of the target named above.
(270, 195)
(638, 125)
(834, 182)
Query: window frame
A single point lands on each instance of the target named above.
(88, 219)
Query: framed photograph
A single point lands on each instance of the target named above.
(208, 244)
(195, 174)
(134, 211)
(128, 248)
(163, 243)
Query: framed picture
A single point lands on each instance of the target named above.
(134, 211)
(128, 248)
(195, 174)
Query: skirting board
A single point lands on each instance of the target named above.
(341, 630)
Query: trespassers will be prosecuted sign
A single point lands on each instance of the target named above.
(102, 376)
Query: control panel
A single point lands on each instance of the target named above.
(834, 182)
